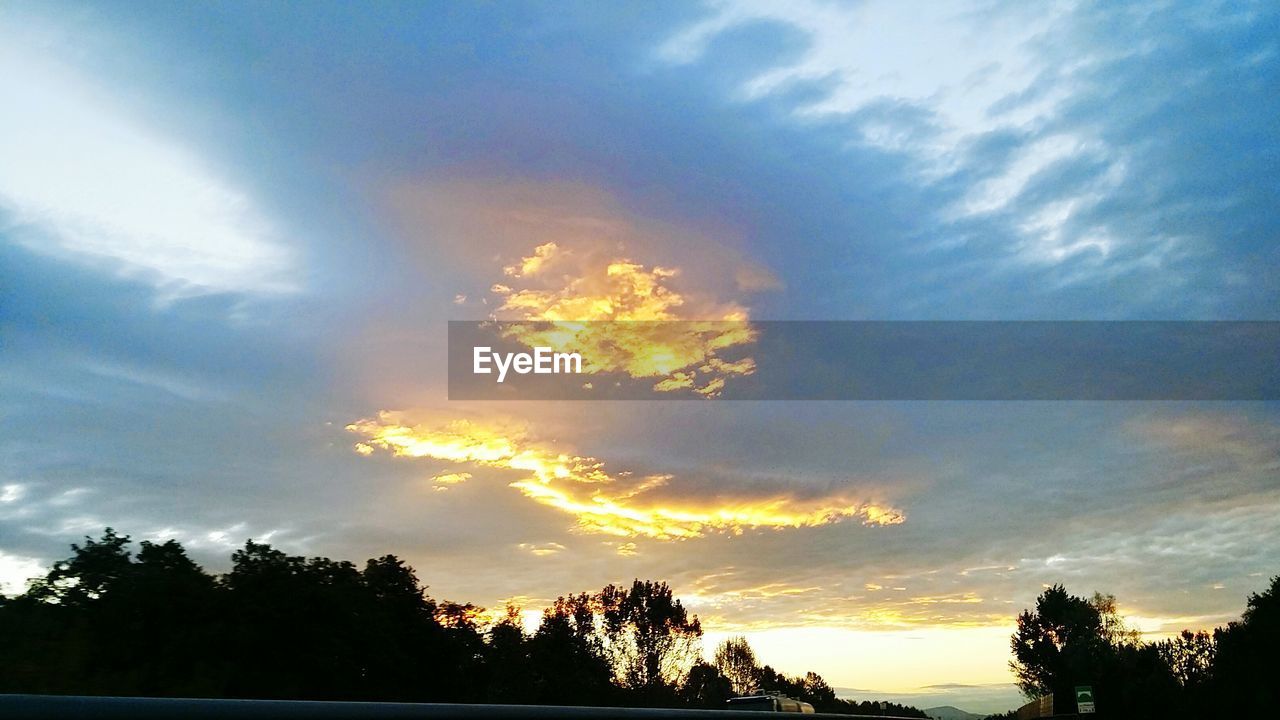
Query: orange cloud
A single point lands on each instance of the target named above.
(620, 504)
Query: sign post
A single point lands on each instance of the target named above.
(1084, 699)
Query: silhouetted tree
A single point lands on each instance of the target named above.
(1062, 643)
(706, 687)
(105, 621)
(1246, 667)
(814, 689)
(93, 571)
(507, 661)
(567, 658)
(102, 622)
(1069, 641)
(164, 617)
(736, 660)
(1190, 657)
(409, 655)
(1111, 625)
(649, 637)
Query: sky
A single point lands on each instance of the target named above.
(231, 235)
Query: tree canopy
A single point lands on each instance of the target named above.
(107, 621)
(1069, 641)
(737, 662)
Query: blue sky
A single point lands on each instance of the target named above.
(228, 231)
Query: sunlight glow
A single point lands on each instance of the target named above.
(82, 179)
(15, 570)
(885, 660)
(622, 505)
(608, 311)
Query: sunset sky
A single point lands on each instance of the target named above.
(231, 236)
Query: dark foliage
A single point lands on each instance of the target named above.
(1069, 641)
(1244, 677)
(108, 622)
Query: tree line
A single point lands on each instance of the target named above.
(1069, 641)
(109, 621)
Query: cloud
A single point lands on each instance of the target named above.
(16, 570)
(583, 287)
(619, 315)
(619, 504)
(1049, 149)
(963, 61)
(542, 549)
(1007, 499)
(84, 180)
(971, 69)
(11, 492)
(447, 478)
(740, 598)
(1218, 459)
(1249, 444)
(475, 223)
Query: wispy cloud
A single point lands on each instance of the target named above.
(1063, 141)
(972, 69)
(969, 64)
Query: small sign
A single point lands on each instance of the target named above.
(1084, 699)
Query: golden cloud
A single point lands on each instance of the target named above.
(451, 478)
(623, 317)
(622, 504)
(735, 599)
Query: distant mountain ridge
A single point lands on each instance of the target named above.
(978, 700)
(951, 712)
